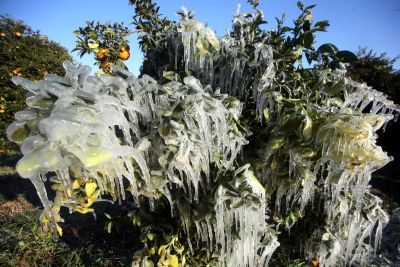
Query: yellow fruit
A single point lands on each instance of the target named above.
(124, 54)
(18, 34)
(2, 34)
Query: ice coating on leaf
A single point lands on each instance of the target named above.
(195, 133)
(251, 243)
(336, 153)
(201, 49)
(199, 44)
(101, 133)
(77, 135)
(316, 146)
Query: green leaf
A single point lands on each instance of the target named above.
(306, 26)
(277, 142)
(161, 250)
(322, 24)
(308, 39)
(19, 132)
(309, 58)
(286, 29)
(109, 227)
(311, 6)
(328, 48)
(173, 260)
(147, 263)
(300, 5)
(169, 75)
(346, 56)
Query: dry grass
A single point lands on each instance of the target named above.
(12, 207)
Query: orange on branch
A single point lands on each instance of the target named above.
(124, 54)
(101, 56)
(2, 34)
(18, 34)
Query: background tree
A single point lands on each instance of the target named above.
(377, 71)
(26, 53)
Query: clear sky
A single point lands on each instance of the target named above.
(354, 23)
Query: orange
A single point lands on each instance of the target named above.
(2, 34)
(124, 54)
(101, 56)
(18, 34)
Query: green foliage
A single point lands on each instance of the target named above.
(26, 53)
(153, 30)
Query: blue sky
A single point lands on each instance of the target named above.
(354, 23)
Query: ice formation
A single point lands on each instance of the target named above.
(339, 151)
(336, 155)
(201, 51)
(348, 150)
(98, 135)
(249, 222)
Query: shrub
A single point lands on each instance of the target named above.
(231, 144)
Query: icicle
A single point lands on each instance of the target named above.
(41, 191)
